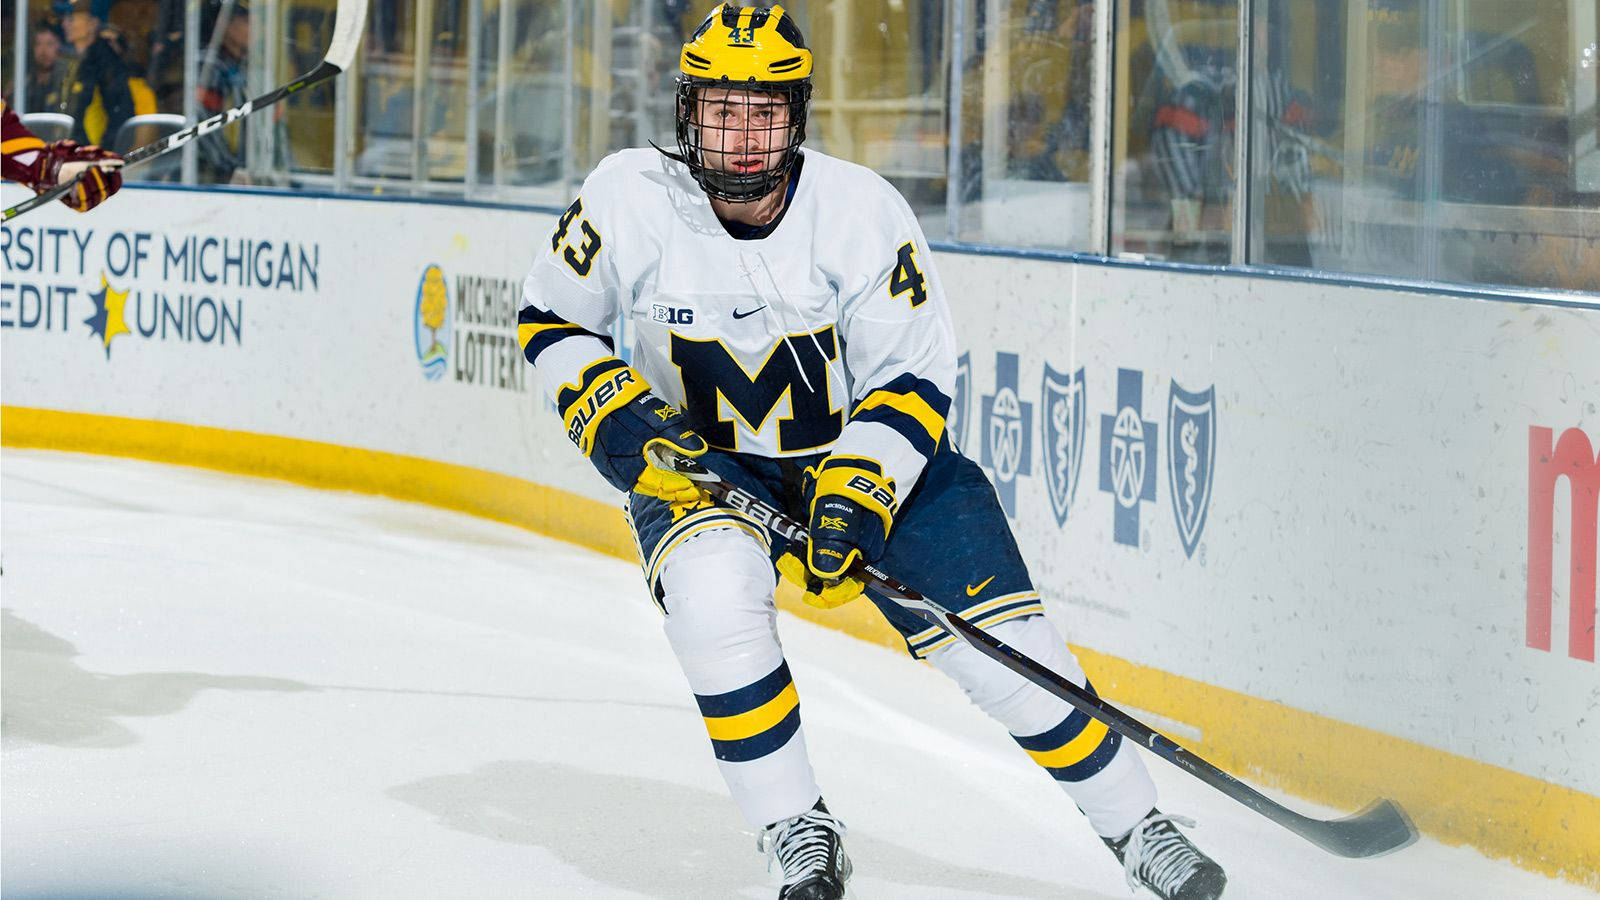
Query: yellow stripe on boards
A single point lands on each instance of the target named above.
(1075, 750)
(1542, 827)
(910, 404)
(489, 495)
(749, 724)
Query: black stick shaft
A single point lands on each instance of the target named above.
(1381, 827)
(177, 139)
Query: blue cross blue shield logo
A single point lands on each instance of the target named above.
(1128, 457)
(1191, 454)
(1061, 423)
(1007, 432)
(955, 424)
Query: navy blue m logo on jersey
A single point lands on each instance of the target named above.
(713, 380)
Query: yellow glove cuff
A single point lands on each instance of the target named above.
(608, 385)
(856, 479)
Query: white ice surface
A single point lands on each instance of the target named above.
(226, 687)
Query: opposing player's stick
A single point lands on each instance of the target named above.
(349, 20)
(1382, 827)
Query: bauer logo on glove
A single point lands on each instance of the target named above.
(606, 388)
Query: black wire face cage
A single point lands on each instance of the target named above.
(728, 141)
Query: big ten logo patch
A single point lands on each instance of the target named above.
(1007, 432)
(1550, 459)
(671, 315)
(465, 324)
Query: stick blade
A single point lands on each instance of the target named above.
(1383, 827)
(349, 23)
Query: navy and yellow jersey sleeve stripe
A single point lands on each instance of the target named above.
(1074, 750)
(539, 329)
(570, 295)
(754, 720)
(899, 344)
(913, 407)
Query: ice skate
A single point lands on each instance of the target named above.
(809, 848)
(1156, 855)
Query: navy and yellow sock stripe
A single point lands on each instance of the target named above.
(1074, 750)
(912, 406)
(539, 329)
(754, 720)
(987, 614)
(691, 525)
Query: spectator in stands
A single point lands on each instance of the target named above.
(46, 69)
(96, 74)
(222, 152)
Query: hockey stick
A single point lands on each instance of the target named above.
(349, 20)
(1382, 827)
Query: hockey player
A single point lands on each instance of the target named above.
(30, 161)
(792, 334)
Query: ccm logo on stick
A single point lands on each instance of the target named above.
(1572, 456)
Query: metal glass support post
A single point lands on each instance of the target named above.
(19, 57)
(474, 67)
(1244, 130)
(600, 81)
(1100, 129)
(569, 97)
(344, 125)
(191, 80)
(957, 57)
(644, 59)
(261, 138)
(1585, 112)
(1430, 166)
(502, 92)
(996, 91)
(839, 34)
(423, 61)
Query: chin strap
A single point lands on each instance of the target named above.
(675, 157)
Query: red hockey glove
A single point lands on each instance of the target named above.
(62, 161)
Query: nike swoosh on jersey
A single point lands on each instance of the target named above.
(975, 591)
(740, 315)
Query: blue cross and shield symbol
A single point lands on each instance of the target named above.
(1007, 432)
(1128, 457)
(1191, 457)
(1061, 421)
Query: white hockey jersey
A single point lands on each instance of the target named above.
(829, 334)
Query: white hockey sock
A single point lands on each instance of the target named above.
(1101, 773)
(721, 622)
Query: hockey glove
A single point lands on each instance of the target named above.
(64, 160)
(614, 420)
(852, 509)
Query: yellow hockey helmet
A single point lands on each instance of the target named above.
(751, 44)
(754, 60)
